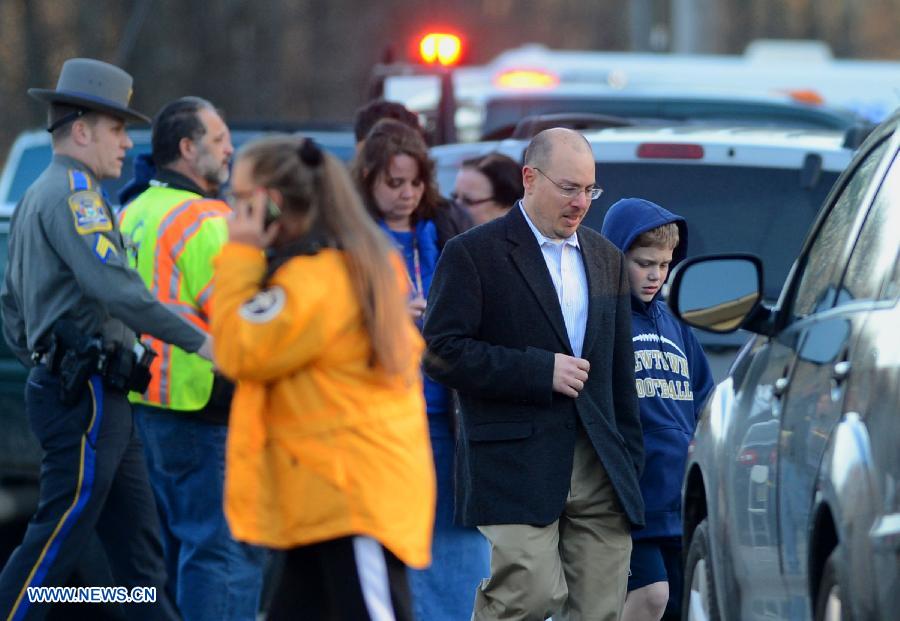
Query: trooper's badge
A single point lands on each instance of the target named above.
(89, 213)
(264, 306)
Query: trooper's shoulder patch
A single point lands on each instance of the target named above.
(264, 306)
(89, 213)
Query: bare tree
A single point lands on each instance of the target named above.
(310, 59)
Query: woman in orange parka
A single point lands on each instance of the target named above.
(328, 454)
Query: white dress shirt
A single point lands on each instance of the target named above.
(566, 267)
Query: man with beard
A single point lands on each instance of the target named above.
(173, 229)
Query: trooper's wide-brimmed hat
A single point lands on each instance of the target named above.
(94, 85)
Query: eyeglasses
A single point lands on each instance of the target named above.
(469, 202)
(571, 191)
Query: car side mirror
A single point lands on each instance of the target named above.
(716, 293)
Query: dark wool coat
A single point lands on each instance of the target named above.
(493, 326)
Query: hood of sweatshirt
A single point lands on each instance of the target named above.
(630, 217)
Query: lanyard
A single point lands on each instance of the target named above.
(418, 289)
(414, 279)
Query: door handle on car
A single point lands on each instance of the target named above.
(840, 371)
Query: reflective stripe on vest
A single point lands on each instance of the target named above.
(172, 236)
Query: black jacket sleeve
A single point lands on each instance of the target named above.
(458, 358)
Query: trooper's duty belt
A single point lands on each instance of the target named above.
(76, 357)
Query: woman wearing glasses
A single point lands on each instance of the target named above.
(396, 179)
(488, 186)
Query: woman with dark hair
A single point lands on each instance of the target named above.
(488, 186)
(396, 178)
(327, 448)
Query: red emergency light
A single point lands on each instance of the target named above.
(440, 48)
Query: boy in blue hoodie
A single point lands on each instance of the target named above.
(673, 379)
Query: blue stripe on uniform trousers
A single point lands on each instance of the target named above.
(82, 496)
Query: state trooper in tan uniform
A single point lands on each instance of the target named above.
(71, 307)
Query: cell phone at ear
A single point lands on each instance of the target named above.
(273, 211)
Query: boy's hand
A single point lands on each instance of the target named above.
(569, 374)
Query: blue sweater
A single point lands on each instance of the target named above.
(671, 372)
(424, 238)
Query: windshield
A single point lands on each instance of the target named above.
(765, 211)
(35, 159)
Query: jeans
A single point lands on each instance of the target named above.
(460, 557)
(211, 576)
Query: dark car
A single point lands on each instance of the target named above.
(815, 399)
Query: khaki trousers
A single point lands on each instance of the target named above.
(575, 569)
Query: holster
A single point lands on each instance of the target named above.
(124, 369)
(76, 357)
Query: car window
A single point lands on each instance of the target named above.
(32, 163)
(875, 252)
(35, 159)
(766, 211)
(816, 290)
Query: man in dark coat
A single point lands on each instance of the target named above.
(530, 320)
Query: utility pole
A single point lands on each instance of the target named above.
(640, 25)
(695, 26)
(132, 30)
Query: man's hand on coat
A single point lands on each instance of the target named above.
(569, 374)
(416, 307)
